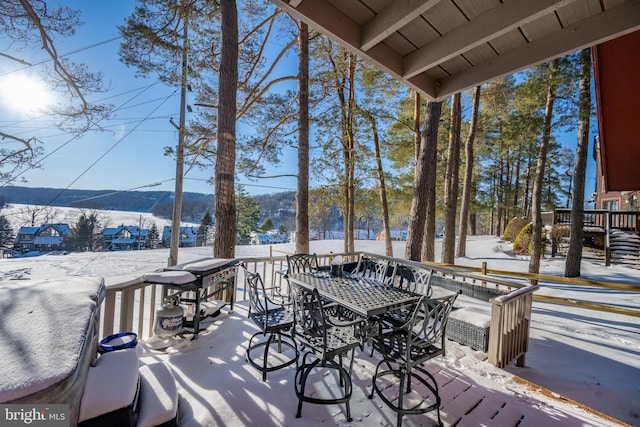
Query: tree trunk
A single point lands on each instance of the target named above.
(468, 175)
(349, 237)
(574, 254)
(416, 124)
(500, 191)
(388, 245)
(302, 194)
(451, 184)
(424, 184)
(536, 200)
(225, 202)
(431, 141)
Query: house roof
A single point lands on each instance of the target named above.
(60, 228)
(28, 230)
(440, 47)
(133, 229)
(48, 240)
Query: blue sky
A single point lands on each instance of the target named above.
(129, 153)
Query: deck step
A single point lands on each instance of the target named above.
(158, 396)
(625, 247)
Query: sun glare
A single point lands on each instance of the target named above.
(22, 93)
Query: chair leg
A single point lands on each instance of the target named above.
(264, 366)
(403, 378)
(303, 371)
(300, 381)
(265, 357)
(405, 375)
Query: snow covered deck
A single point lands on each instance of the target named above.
(218, 387)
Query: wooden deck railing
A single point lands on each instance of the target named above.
(605, 219)
(598, 222)
(130, 305)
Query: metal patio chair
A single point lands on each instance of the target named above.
(275, 321)
(326, 341)
(302, 263)
(404, 350)
(412, 279)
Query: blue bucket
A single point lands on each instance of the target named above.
(119, 341)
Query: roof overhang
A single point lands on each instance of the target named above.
(616, 65)
(441, 47)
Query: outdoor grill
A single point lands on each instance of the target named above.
(213, 277)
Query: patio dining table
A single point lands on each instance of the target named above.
(365, 297)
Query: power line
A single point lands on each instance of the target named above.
(105, 153)
(44, 61)
(155, 184)
(78, 136)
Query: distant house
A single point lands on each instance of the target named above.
(45, 238)
(125, 238)
(268, 238)
(188, 237)
(395, 235)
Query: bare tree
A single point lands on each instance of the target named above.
(37, 215)
(36, 24)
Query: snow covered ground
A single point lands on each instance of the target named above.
(587, 356)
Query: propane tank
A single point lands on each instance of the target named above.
(169, 317)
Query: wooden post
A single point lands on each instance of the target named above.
(607, 242)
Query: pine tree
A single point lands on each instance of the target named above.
(81, 234)
(248, 211)
(153, 237)
(6, 232)
(267, 225)
(204, 229)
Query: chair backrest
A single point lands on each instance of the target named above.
(257, 294)
(376, 269)
(414, 279)
(429, 321)
(302, 263)
(309, 320)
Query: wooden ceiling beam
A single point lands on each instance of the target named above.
(599, 28)
(486, 26)
(324, 17)
(396, 15)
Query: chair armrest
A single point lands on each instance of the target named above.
(334, 321)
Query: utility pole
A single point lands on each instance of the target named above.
(139, 231)
(177, 199)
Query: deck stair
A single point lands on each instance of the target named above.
(625, 247)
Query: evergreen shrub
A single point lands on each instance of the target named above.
(559, 232)
(514, 227)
